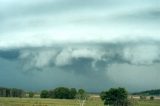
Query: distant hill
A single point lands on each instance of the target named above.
(155, 92)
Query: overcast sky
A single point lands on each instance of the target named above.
(90, 44)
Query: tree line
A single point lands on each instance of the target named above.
(63, 93)
(11, 92)
(148, 92)
(112, 97)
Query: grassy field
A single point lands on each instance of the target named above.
(148, 103)
(46, 102)
(57, 102)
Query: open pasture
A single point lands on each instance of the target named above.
(63, 102)
(47, 102)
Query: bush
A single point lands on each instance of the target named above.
(142, 97)
(152, 98)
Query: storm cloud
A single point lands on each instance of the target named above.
(91, 40)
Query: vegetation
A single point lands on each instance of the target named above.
(63, 96)
(47, 102)
(142, 97)
(81, 97)
(61, 93)
(44, 94)
(148, 92)
(73, 93)
(81, 94)
(115, 97)
(92, 101)
(31, 94)
(152, 98)
(11, 92)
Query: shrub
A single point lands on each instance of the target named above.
(142, 97)
(152, 98)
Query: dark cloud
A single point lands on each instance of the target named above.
(79, 43)
(88, 59)
(9, 54)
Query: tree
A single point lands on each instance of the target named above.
(73, 93)
(51, 94)
(81, 96)
(115, 97)
(81, 91)
(44, 94)
(61, 93)
(31, 94)
(11, 92)
(102, 95)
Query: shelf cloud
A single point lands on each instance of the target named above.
(80, 39)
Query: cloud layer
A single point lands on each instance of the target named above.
(46, 22)
(134, 54)
(88, 40)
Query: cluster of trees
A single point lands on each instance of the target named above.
(149, 92)
(11, 92)
(62, 93)
(115, 97)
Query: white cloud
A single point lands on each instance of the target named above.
(95, 54)
(68, 55)
(64, 57)
(37, 59)
(40, 58)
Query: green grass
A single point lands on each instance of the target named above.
(46, 102)
(58, 102)
(148, 103)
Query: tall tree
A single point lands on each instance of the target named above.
(81, 97)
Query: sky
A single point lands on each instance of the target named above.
(90, 44)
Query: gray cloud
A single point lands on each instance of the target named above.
(89, 61)
(148, 15)
(9, 54)
(90, 58)
(135, 77)
(68, 18)
(87, 40)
